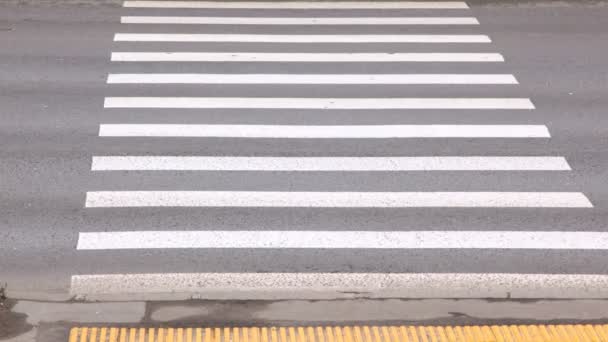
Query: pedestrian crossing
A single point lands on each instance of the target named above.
(178, 63)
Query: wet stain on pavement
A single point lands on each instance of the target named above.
(11, 323)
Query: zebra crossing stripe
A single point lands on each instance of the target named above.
(317, 103)
(181, 163)
(312, 79)
(301, 21)
(324, 132)
(300, 4)
(256, 239)
(407, 285)
(301, 38)
(301, 199)
(312, 57)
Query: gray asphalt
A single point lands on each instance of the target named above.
(53, 64)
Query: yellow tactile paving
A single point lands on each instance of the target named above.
(512, 333)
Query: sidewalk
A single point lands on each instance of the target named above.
(53, 321)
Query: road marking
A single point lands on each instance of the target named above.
(328, 132)
(410, 285)
(302, 21)
(172, 163)
(301, 38)
(301, 4)
(344, 240)
(302, 57)
(317, 103)
(296, 199)
(312, 78)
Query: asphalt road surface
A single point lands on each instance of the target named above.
(237, 149)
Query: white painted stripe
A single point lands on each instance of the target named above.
(155, 163)
(327, 132)
(301, 4)
(302, 21)
(344, 239)
(302, 57)
(104, 199)
(313, 78)
(329, 285)
(301, 38)
(317, 103)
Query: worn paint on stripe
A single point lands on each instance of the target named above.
(317, 103)
(301, 4)
(192, 163)
(408, 285)
(521, 333)
(313, 78)
(261, 199)
(300, 21)
(324, 132)
(344, 239)
(302, 57)
(301, 38)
